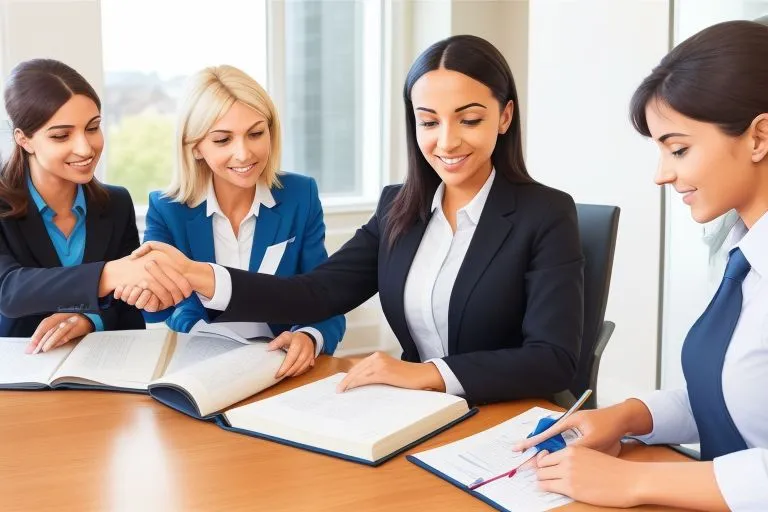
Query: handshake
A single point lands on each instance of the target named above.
(154, 277)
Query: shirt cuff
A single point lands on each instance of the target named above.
(452, 384)
(741, 477)
(315, 334)
(98, 323)
(673, 421)
(222, 291)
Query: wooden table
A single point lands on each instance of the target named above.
(91, 450)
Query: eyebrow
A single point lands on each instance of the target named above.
(257, 123)
(468, 105)
(65, 126)
(668, 135)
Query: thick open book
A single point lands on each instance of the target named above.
(194, 373)
(369, 424)
(487, 454)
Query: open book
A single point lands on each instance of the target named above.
(486, 454)
(369, 424)
(198, 375)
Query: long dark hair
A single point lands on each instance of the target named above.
(481, 61)
(35, 90)
(717, 76)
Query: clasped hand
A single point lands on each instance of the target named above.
(152, 278)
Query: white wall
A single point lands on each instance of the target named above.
(586, 57)
(34, 28)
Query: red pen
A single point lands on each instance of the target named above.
(508, 474)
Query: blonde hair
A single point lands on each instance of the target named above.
(210, 94)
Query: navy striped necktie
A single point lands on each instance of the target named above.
(703, 358)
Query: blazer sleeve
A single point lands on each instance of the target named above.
(184, 315)
(116, 314)
(345, 280)
(552, 325)
(312, 254)
(26, 291)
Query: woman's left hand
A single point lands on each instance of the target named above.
(300, 355)
(58, 329)
(589, 476)
(381, 368)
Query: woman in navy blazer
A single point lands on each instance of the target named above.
(64, 237)
(229, 205)
(478, 267)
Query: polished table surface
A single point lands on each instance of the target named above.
(93, 450)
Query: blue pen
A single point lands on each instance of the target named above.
(575, 407)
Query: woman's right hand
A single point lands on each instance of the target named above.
(601, 429)
(161, 288)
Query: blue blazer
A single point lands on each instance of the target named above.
(297, 216)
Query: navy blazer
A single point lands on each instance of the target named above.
(297, 217)
(516, 310)
(34, 285)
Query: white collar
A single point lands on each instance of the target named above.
(262, 196)
(474, 208)
(752, 242)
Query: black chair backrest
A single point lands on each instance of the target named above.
(598, 225)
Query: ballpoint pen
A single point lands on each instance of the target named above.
(509, 474)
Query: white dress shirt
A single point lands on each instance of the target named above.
(432, 276)
(235, 251)
(741, 476)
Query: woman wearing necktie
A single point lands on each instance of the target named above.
(706, 106)
(478, 267)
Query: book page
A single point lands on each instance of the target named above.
(330, 420)
(242, 332)
(125, 359)
(489, 453)
(18, 369)
(227, 378)
(191, 349)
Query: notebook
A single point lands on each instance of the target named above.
(193, 373)
(368, 425)
(489, 453)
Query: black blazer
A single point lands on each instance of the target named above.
(33, 284)
(516, 310)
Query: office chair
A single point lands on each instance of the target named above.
(598, 225)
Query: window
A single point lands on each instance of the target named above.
(150, 48)
(327, 64)
(320, 61)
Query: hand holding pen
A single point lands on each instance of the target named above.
(599, 429)
(554, 429)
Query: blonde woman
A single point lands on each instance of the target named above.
(228, 204)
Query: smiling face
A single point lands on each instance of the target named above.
(713, 171)
(69, 145)
(237, 147)
(457, 123)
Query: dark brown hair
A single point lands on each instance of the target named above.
(718, 76)
(35, 90)
(481, 61)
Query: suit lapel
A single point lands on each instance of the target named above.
(400, 261)
(492, 230)
(267, 226)
(33, 232)
(98, 231)
(200, 236)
